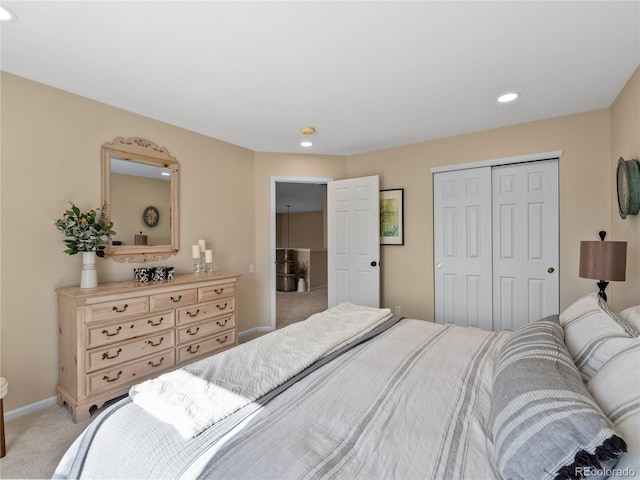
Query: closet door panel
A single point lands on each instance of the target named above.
(462, 247)
(526, 242)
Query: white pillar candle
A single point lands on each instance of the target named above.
(195, 251)
(208, 256)
(201, 245)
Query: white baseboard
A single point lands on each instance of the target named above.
(253, 331)
(19, 412)
(47, 402)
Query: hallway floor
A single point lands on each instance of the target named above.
(292, 307)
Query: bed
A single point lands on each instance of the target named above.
(387, 397)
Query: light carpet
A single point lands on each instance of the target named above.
(37, 441)
(293, 307)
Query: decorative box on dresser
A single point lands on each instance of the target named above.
(117, 334)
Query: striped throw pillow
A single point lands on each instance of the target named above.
(594, 333)
(616, 388)
(544, 422)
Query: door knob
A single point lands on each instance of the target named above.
(551, 269)
(439, 265)
(374, 263)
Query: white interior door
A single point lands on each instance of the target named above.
(525, 243)
(462, 247)
(353, 241)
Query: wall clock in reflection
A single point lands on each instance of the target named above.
(151, 216)
(628, 185)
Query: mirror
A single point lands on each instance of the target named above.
(140, 190)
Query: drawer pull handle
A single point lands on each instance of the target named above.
(218, 290)
(150, 342)
(223, 341)
(105, 332)
(195, 332)
(222, 307)
(176, 299)
(120, 310)
(226, 320)
(191, 350)
(194, 314)
(156, 364)
(106, 377)
(150, 322)
(105, 355)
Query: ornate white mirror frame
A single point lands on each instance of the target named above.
(142, 153)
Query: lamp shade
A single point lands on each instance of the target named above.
(602, 260)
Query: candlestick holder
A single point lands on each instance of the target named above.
(208, 267)
(197, 266)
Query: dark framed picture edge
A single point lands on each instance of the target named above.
(399, 239)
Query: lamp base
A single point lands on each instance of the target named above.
(602, 285)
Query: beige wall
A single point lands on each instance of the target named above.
(585, 197)
(50, 154)
(625, 143)
(306, 230)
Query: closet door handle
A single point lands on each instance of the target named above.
(551, 270)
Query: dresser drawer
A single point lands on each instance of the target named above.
(118, 309)
(123, 352)
(196, 331)
(207, 346)
(131, 372)
(115, 332)
(179, 298)
(202, 311)
(206, 294)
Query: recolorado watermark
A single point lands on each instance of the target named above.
(587, 472)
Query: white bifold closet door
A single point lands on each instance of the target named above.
(496, 245)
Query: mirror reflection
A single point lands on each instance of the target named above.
(140, 190)
(141, 196)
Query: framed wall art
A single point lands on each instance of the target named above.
(392, 217)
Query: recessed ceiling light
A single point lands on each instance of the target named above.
(7, 15)
(306, 143)
(508, 97)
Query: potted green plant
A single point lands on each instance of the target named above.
(88, 233)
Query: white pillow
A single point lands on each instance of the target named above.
(632, 316)
(616, 388)
(594, 333)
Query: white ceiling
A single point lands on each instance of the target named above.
(366, 75)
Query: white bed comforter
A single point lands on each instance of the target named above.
(195, 397)
(412, 402)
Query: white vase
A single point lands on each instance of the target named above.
(89, 274)
(302, 285)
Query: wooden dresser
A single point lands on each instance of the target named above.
(118, 334)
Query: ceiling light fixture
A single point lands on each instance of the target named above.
(7, 15)
(508, 97)
(307, 131)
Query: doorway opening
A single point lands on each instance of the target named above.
(298, 237)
